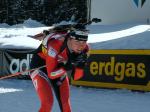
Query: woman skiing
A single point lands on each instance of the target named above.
(61, 51)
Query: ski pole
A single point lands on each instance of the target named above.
(19, 73)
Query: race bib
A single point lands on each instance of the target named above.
(52, 52)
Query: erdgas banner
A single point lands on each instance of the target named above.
(117, 69)
(16, 61)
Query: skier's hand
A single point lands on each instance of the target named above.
(67, 66)
(81, 60)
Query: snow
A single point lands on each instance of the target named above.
(125, 36)
(20, 95)
(100, 37)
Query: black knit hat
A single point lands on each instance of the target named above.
(79, 35)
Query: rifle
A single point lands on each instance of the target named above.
(80, 25)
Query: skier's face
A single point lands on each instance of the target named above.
(76, 45)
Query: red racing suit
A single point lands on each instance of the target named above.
(51, 53)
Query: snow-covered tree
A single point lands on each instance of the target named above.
(44, 11)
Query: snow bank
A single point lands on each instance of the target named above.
(123, 36)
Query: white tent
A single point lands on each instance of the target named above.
(119, 11)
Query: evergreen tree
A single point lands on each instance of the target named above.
(44, 11)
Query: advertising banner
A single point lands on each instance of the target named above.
(16, 61)
(128, 69)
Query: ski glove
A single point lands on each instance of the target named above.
(67, 66)
(81, 60)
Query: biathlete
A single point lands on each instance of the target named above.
(60, 51)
